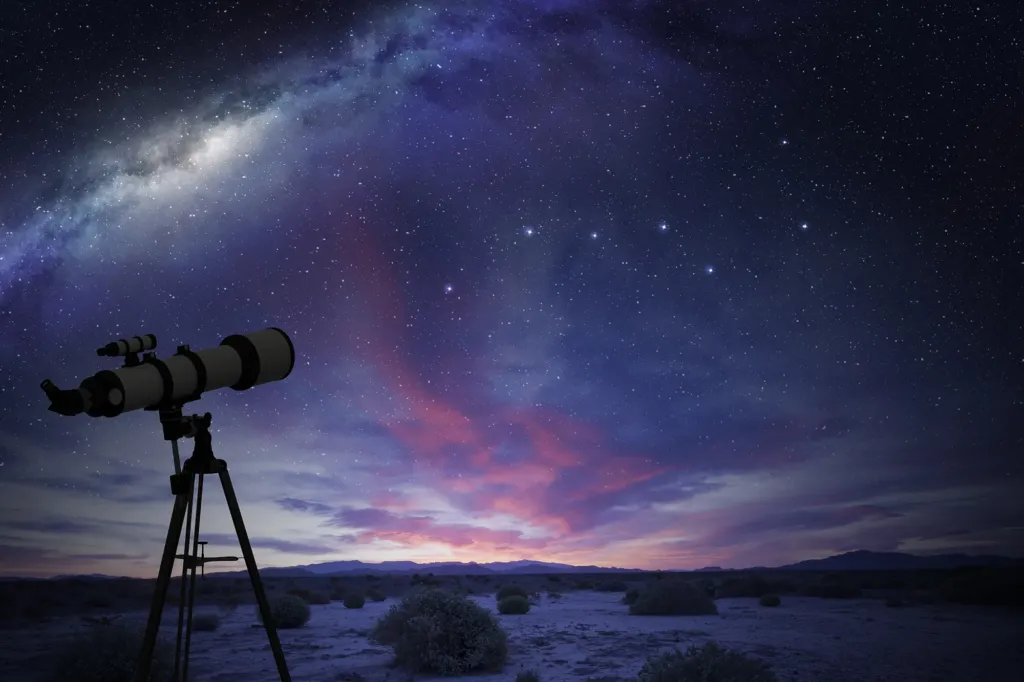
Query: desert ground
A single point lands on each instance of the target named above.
(572, 632)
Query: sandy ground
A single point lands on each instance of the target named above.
(591, 636)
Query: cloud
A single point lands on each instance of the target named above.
(794, 521)
(297, 547)
(53, 526)
(376, 524)
(315, 508)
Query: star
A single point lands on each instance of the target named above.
(710, 269)
(663, 227)
(448, 288)
(804, 226)
(593, 235)
(529, 232)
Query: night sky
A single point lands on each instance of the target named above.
(658, 285)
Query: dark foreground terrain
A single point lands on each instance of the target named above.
(948, 626)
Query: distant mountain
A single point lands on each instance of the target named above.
(863, 560)
(860, 560)
(437, 568)
(440, 567)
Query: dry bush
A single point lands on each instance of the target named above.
(514, 605)
(612, 586)
(673, 598)
(109, 653)
(289, 611)
(205, 622)
(709, 663)
(511, 591)
(744, 586)
(435, 631)
(309, 596)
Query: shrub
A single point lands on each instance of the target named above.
(429, 580)
(434, 631)
(613, 586)
(743, 586)
(101, 601)
(894, 602)
(709, 663)
(514, 605)
(318, 599)
(555, 578)
(375, 595)
(672, 598)
(309, 596)
(205, 622)
(511, 591)
(829, 591)
(984, 586)
(108, 653)
(584, 585)
(527, 676)
(839, 591)
(354, 600)
(338, 594)
(770, 600)
(632, 594)
(289, 611)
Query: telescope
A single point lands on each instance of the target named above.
(241, 361)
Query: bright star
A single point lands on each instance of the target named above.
(448, 288)
(803, 226)
(593, 235)
(663, 227)
(529, 232)
(709, 269)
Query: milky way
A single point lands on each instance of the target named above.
(633, 287)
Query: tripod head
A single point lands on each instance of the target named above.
(175, 426)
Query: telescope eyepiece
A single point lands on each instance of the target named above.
(136, 344)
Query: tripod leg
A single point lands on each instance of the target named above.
(163, 580)
(192, 582)
(254, 574)
(184, 574)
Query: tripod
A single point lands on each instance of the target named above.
(183, 483)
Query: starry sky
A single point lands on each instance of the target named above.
(646, 284)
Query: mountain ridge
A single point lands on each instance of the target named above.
(857, 560)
